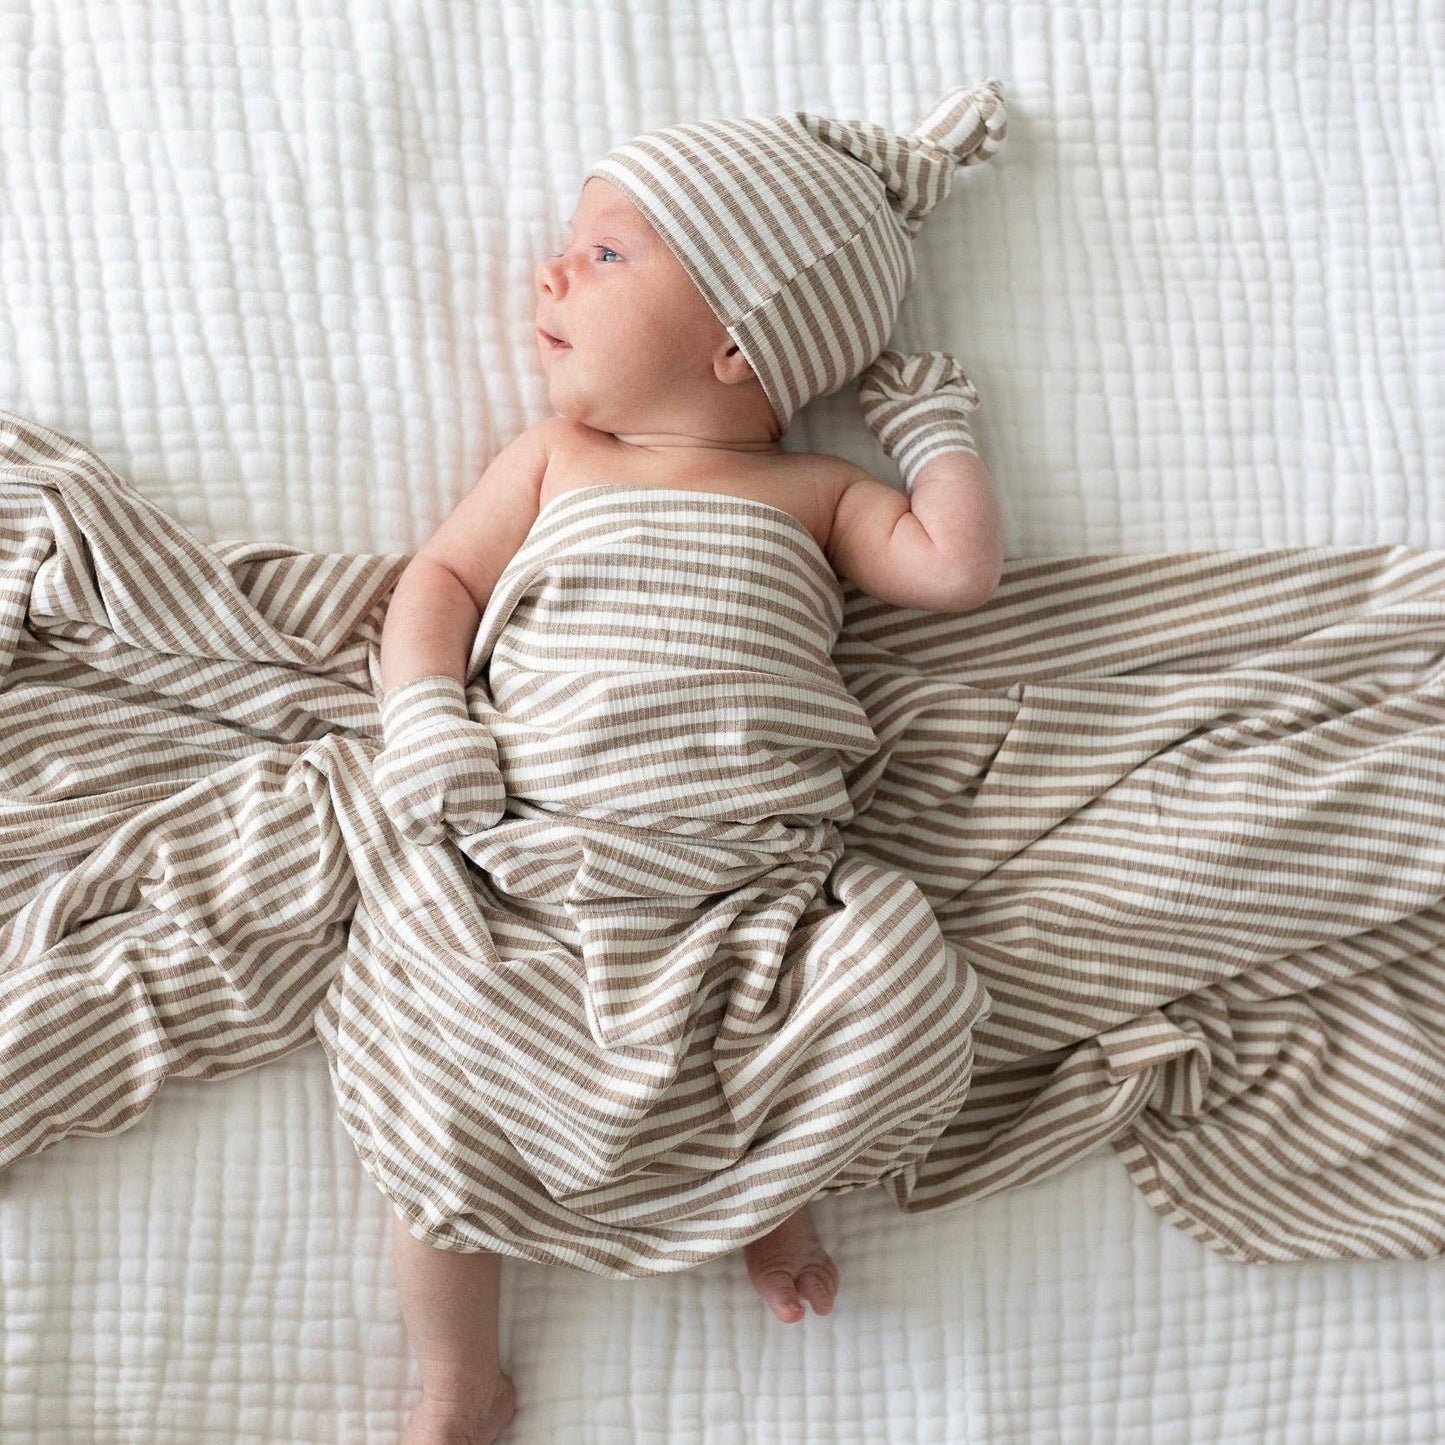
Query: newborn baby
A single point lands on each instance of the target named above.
(651, 389)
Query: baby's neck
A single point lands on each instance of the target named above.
(677, 444)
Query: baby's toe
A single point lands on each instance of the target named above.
(779, 1290)
(818, 1286)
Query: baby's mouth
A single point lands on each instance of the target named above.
(553, 342)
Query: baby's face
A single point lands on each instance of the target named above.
(637, 330)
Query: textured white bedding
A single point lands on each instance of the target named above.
(273, 262)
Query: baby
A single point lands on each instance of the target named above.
(652, 388)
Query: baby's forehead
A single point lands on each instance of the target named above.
(605, 206)
(604, 201)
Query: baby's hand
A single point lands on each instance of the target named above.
(917, 407)
(437, 767)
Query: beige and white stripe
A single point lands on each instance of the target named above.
(795, 891)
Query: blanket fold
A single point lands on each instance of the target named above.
(795, 892)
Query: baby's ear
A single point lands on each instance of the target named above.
(730, 366)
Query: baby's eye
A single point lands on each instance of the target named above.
(557, 255)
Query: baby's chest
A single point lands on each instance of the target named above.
(812, 500)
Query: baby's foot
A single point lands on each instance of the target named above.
(455, 1422)
(790, 1265)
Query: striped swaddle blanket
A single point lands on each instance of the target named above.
(795, 892)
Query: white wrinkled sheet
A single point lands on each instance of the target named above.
(273, 262)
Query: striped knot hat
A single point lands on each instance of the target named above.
(798, 229)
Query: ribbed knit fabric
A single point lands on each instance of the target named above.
(794, 891)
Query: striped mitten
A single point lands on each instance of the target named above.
(915, 406)
(436, 767)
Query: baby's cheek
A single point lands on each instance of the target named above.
(673, 344)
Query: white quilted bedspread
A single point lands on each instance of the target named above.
(273, 261)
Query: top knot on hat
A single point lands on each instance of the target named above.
(965, 128)
(797, 228)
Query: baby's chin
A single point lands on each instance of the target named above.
(588, 412)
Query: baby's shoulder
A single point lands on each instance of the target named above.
(825, 464)
(810, 485)
(827, 475)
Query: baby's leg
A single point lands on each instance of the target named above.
(450, 1303)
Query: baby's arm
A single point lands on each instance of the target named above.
(429, 626)
(940, 550)
(955, 505)
(438, 768)
(439, 600)
(944, 552)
